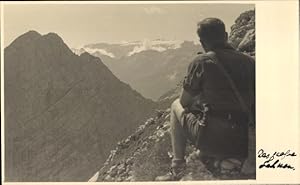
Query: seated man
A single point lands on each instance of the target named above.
(208, 112)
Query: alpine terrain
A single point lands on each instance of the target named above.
(68, 117)
(63, 112)
(147, 152)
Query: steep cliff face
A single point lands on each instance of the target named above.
(63, 112)
(242, 35)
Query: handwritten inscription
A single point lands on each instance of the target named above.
(276, 159)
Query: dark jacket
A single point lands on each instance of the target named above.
(207, 83)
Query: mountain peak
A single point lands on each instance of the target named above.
(26, 37)
(56, 42)
(50, 42)
(32, 33)
(75, 109)
(53, 36)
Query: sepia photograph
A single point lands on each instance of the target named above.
(129, 92)
(117, 92)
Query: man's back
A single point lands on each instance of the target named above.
(214, 88)
(207, 83)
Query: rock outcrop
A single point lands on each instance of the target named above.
(147, 154)
(63, 112)
(242, 35)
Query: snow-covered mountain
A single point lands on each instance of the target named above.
(124, 48)
(152, 67)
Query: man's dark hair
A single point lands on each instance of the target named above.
(211, 29)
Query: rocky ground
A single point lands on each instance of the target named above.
(146, 154)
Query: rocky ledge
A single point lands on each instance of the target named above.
(147, 154)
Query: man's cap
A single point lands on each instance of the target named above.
(211, 29)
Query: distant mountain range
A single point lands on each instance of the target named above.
(123, 49)
(151, 67)
(63, 112)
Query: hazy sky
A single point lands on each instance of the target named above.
(83, 24)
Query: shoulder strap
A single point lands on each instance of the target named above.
(243, 104)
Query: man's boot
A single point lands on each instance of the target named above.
(176, 172)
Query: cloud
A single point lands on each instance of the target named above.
(146, 45)
(154, 10)
(101, 51)
(157, 45)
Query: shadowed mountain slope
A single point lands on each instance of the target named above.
(63, 112)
